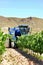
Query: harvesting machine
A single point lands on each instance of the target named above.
(17, 31)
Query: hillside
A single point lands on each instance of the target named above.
(36, 24)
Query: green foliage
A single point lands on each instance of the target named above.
(2, 42)
(33, 42)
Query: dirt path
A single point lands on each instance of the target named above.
(13, 57)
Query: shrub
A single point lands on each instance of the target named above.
(33, 42)
(2, 42)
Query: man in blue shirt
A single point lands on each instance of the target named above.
(14, 32)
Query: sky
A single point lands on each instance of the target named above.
(21, 8)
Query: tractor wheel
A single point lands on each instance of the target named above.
(15, 45)
(9, 43)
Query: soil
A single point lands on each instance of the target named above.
(14, 57)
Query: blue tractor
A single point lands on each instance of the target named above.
(17, 31)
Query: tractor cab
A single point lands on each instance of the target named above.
(24, 29)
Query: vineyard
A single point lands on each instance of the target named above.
(33, 42)
(30, 43)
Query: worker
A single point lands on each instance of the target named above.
(14, 32)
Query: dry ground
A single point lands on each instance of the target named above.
(13, 57)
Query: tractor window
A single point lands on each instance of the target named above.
(24, 29)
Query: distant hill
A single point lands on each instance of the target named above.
(36, 24)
